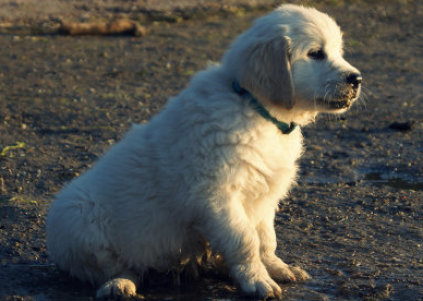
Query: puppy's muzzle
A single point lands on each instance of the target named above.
(347, 91)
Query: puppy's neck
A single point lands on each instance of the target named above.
(285, 128)
(296, 115)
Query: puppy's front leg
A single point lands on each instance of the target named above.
(228, 230)
(277, 269)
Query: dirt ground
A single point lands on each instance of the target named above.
(354, 222)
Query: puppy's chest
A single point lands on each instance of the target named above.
(276, 150)
(270, 169)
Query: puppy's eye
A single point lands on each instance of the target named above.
(317, 54)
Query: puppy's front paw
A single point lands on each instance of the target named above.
(282, 272)
(117, 288)
(300, 274)
(254, 280)
(278, 269)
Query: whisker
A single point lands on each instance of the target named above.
(315, 101)
(362, 99)
(325, 97)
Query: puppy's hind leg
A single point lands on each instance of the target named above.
(122, 286)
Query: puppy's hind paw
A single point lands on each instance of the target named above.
(118, 288)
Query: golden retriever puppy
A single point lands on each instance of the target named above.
(211, 167)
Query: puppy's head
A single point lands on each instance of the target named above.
(293, 58)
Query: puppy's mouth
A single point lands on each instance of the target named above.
(339, 96)
(334, 104)
(341, 102)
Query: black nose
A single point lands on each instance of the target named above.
(354, 79)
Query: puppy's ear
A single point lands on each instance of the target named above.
(267, 72)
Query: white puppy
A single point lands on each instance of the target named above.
(210, 169)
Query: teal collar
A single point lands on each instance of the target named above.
(259, 108)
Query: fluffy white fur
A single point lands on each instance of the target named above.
(208, 170)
